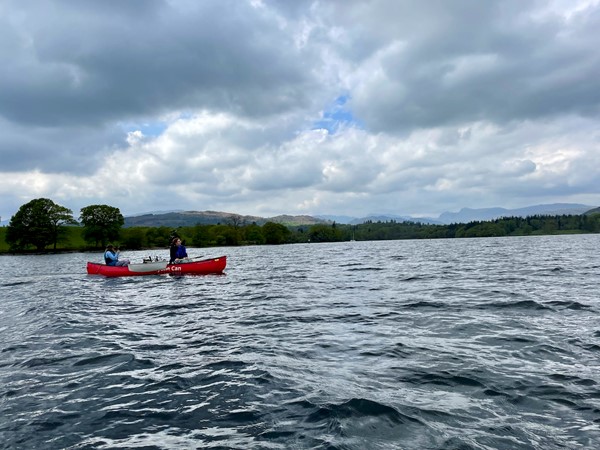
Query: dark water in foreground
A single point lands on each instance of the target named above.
(447, 344)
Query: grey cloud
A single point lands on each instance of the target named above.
(74, 70)
(87, 63)
(500, 64)
(55, 150)
(459, 103)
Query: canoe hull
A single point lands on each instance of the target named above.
(203, 267)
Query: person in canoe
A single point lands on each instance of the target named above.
(178, 252)
(111, 257)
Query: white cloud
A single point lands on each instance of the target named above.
(492, 105)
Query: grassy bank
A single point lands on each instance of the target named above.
(71, 241)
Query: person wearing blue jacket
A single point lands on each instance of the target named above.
(111, 257)
(178, 251)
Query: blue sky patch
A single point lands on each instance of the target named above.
(337, 115)
(150, 129)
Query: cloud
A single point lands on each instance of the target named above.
(265, 107)
(503, 65)
(78, 70)
(113, 59)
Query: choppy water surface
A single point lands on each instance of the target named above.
(445, 344)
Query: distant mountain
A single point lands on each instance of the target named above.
(593, 211)
(389, 218)
(191, 218)
(296, 220)
(186, 218)
(469, 215)
(466, 215)
(337, 219)
(145, 213)
(349, 220)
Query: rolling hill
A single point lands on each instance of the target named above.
(190, 218)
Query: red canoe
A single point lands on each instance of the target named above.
(203, 267)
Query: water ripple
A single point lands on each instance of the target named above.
(454, 344)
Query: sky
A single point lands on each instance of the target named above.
(268, 107)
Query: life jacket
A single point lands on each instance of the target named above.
(181, 252)
(107, 260)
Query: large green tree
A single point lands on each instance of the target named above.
(39, 223)
(101, 223)
(275, 233)
(325, 233)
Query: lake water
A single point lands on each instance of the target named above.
(435, 344)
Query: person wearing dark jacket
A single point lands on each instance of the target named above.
(178, 251)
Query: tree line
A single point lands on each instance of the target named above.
(43, 225)
(234, 234)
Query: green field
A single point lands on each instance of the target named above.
(71, 241)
